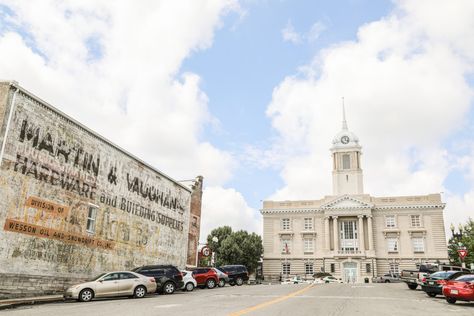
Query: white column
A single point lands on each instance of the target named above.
(361, 233)
(327, 235)
(335, 230)
(371, 238)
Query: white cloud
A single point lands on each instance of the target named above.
(227, 207)
(114, 65)
(290, 35)
(405, 88)
(315, 31)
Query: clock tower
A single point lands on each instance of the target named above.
(347, 177)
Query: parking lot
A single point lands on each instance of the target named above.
(302, 299)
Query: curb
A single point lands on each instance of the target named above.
(12, 303)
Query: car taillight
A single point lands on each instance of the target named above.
(152, 280)
(469, 285)
(423, 280)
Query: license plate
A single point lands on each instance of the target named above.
(454, 292)
(431, 283)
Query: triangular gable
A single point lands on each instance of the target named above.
(346, 201)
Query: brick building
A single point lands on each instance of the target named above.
(73, 205)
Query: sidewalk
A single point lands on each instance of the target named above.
(10, 303)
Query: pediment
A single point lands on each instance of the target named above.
(346, 202)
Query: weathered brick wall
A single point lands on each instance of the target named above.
(72, 205)
(16, 285)
(195, 221)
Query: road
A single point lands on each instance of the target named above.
(274, 300)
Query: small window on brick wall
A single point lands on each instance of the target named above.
(91, 217)
(333, 267)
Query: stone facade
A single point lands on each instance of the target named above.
(350, 234)
(195, 222)
(73, 205)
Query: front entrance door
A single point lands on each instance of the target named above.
(349, 272)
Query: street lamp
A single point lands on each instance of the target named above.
(214, 251)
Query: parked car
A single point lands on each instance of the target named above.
(461, 289)
(223, 277)
(433, 285)
(118, 283)
(238, 274)
(413, 278)
(206, 277)
(327, 279)
(168, 277)
(387, 278)
(188, 280)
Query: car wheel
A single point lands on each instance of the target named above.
(169, 288)
(139, 292)
(387, 281)
(86, 295)
(239, 281)
(450, 300)
(189, 286)
(431, 294)
(412, 286)
(221, 283)
(211, 283)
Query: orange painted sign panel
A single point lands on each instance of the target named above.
(50, 207)
(45, 232)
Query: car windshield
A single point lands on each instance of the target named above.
(466, 278)
(98, 277)
(438, 275)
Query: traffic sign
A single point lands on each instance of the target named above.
(462, 253)
(205, 251)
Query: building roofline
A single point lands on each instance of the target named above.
(52, 108)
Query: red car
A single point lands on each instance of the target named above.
(206, 277)
(461, 289)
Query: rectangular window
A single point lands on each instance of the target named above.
(368, 268)
(415, 221)
(346, 161)
(285, 224)
(390, 221)
(91, 219)
(285, 246)
(308, 223)
(394, 268)
(285, 268)
(418, 245)
(308, 268)
(333, 267)
(308, 245)
(392, 244)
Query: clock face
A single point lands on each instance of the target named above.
(345, 139)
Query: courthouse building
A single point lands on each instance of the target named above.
(351, 234)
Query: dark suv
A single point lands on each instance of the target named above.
(237, 273)
(168, 278)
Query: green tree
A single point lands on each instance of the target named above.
(236, 247)
(467, 240)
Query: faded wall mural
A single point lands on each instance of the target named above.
(73, 204)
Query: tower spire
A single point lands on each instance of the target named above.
(344, 122)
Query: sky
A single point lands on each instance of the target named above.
(248, 93)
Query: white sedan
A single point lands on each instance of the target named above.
(188, 280)
(327, 279)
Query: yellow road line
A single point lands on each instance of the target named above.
(265, 304)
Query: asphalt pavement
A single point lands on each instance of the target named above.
(274, 300)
